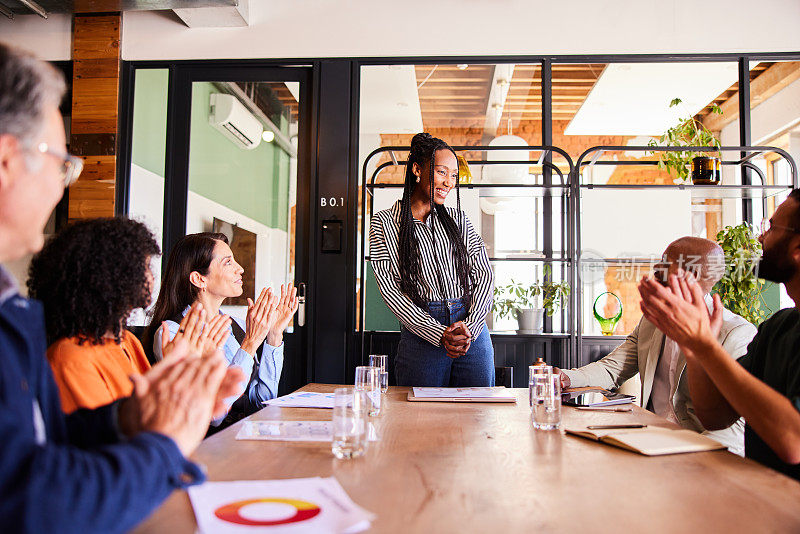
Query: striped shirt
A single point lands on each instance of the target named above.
(383, 248)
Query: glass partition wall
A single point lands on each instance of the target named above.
(624, 212)
(244, 135)
(221, 149)
(628, 206)
(147, 164)
(483, 105)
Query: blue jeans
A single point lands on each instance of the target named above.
(418, 363)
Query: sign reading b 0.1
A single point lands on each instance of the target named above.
(331, 201)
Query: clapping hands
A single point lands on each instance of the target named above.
(201, 337)
(261, 316)
(680, 311)
(285, 308)
(180, 395)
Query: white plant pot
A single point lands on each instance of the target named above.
(530, 320)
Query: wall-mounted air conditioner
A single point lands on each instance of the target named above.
(235, 121)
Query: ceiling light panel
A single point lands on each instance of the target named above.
(633, 98)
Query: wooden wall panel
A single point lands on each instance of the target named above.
(95, 97)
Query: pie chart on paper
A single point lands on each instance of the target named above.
(267, 512)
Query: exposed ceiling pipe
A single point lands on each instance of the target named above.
(7, 12)
(33, 6)
(498, 92)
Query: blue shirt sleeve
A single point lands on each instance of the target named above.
(89, 428)
(61, 488)
(264, 385)
(80, 487)
(265, 380)
(173, 329)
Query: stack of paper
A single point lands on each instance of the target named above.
(303, 399)
(475, 394)
(286, 506)
(293, 431)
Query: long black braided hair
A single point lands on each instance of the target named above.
(423, 151)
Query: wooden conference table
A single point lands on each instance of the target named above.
(472, 467)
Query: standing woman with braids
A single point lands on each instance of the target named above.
(434, 274)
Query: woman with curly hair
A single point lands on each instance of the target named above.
(434, 274)
(90, 277)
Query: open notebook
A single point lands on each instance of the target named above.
(651, 441)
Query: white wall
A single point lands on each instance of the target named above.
(332, 28)
(50, 39)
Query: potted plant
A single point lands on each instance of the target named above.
(739, 289)
(523, 301)
(705, 167)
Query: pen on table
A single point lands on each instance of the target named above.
(589, 409)
(610, 427)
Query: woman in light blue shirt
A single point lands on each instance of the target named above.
(201, 269)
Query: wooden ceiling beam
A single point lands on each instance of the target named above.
(769, 82)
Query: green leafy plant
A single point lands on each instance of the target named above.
(517, 296)
(688, 132)
(739, 289)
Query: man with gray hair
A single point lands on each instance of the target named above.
(97, 470)
(658, 359)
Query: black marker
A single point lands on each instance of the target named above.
(610, 427)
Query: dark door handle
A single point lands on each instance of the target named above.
(301, 309)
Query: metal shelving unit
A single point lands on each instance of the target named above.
(569, 188)
(747, 191)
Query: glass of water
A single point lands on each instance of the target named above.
(379, 360)
(533, 370)
(368, 380)
(349, 423)
(545, 395)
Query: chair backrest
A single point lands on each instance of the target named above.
(504, 376)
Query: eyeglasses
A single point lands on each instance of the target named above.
(71, 166)
(766, 226)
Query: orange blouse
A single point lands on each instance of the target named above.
(89, 376)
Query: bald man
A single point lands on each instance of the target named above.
(659, 360)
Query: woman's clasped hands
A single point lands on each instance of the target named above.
(457, 339)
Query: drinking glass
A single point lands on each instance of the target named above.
(545, 394)
(379, 360)
(368, 380)
(349, 423)
(534, 370)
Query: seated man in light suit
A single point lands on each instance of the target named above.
(658, 359)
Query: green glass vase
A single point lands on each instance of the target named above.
(607, 324)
